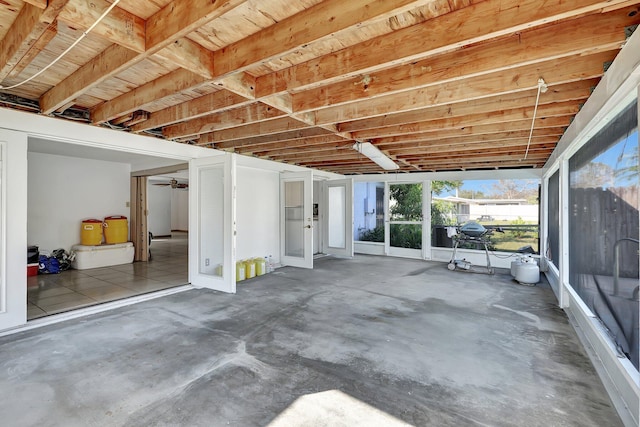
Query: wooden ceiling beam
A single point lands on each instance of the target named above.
(446, 143)
(146, 94)
(536, 150)
(174, 21)
(190, 55)
(208, 104)
(252, 141)
(119, 26)
(579, 36)
(549, 110)
(553, 124)
(271, 127)
(289, 144)
(519, 79)
(312, 148)
(40, 4)
(31, 24)
(470, 146)
(574, 91)
(254, 113)
(479, 22)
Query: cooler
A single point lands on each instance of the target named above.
(102, 256)
(91, 232)
(116, 229)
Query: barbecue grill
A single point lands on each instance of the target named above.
(475, 233)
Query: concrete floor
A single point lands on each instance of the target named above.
(369, 341)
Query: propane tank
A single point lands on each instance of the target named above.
(515, 264)
(528, 273)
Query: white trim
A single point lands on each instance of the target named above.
(620, 378)
(3, 226)
(99, 308)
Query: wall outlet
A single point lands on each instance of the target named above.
(206, 262)
(128, 205)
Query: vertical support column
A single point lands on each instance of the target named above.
(387, 218)
(138, 214)
(563, 297)
(426, 220)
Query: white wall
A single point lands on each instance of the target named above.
(159, 206)
(258, 213)
(63, 191)
(179, 209)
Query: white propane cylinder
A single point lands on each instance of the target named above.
(515, 264)
(528, 273)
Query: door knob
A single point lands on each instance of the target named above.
(307, 226)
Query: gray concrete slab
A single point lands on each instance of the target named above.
(368, 341)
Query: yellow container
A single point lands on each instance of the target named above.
(240, 271)
(91, 232)
(250, 266)
(261, 266)
(116, 229)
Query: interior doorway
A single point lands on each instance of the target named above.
(68, 184)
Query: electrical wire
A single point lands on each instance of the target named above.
(542, 87)
(74, 44)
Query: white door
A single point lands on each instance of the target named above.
(337, 222)
(296, 219)
(13, 228)
(212, 223)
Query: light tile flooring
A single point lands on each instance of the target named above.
(72, 289)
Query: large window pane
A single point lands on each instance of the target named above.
(211, 205)
(511, 205)
(293, 221)
(553, 252)
(406, 236)
(604, 218)
(368, 212)
(405, 202)
(337, 220)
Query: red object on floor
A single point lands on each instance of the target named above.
(32, 269)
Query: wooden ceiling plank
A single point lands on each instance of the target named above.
(286, 144)
(107, 64)
(232, 142)
(573, 91)
(312, 151)
(479, 22)
(502, 82)
(309, 25)
(271, 127)
(192, 109)
(119, 26)
(255, 113)
(29, 26)
(549, 123)
(575, 37)
(544, 142)
(166, 85)
(34, 50)
(502, 137)
(504, 116)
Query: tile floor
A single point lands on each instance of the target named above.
(72, 289)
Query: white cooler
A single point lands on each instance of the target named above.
(102, 255)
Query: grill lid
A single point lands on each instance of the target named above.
(473, 229)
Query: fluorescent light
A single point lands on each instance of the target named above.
(372, 152)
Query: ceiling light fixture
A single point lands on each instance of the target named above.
(372, 152)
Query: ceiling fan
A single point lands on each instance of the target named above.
(173, 183)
